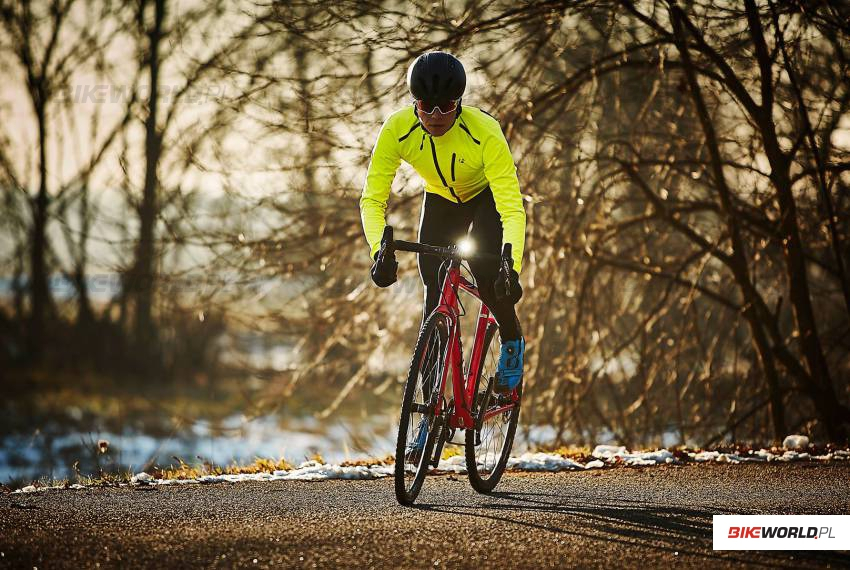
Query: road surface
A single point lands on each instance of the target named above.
(610, 518)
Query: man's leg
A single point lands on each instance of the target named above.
(487, 235)
(442, 223)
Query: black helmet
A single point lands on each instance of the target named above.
(436, 77)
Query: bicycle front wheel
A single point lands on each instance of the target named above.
(418, 427)
(488, 446)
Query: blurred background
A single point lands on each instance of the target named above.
(183, 274)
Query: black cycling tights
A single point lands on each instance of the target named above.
(444, 223)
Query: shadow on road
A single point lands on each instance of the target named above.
(684, 531)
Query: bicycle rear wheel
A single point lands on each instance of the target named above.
(488, 446)
(418, 429)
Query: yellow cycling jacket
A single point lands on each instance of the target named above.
(458, 166)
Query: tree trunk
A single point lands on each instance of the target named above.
(143, 276)
(85, 314)
(737, 262)
(823, 392)
(39, 290)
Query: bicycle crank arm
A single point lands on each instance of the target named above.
(483, 404)
(439, 425)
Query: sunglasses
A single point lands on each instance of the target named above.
(430, 108)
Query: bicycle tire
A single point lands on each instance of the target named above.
(478, 479)
(407, 489)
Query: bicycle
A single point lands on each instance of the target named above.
(489, 419)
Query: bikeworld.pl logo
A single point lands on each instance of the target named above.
(781, 532)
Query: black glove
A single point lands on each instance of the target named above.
(385, 269)
(507, 285)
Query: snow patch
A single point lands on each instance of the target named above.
(141, 478)
(619, 454)
(795, 442)
(603, 455)
(308, 471)
(454, 464)
(608, 451)
(543, 462)
(793, 456)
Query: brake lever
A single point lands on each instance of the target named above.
(507, 263)
(386, 243)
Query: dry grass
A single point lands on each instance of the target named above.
(369, 462)
(187, 471)
(569, 452)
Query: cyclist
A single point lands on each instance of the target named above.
(470, 179)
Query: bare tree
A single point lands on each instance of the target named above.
(664, 205)
(47, 43)
(684, 166)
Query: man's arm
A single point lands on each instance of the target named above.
(500, 171)
(376, 191)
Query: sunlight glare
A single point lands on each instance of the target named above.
(466, 246)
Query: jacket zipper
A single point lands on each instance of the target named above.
(453, 166)
(465, 128)
(440, 172)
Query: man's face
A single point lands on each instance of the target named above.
(437, 119)
(437, 123)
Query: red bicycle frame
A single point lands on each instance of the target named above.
(464, 386)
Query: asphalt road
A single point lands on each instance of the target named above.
(623, 517)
